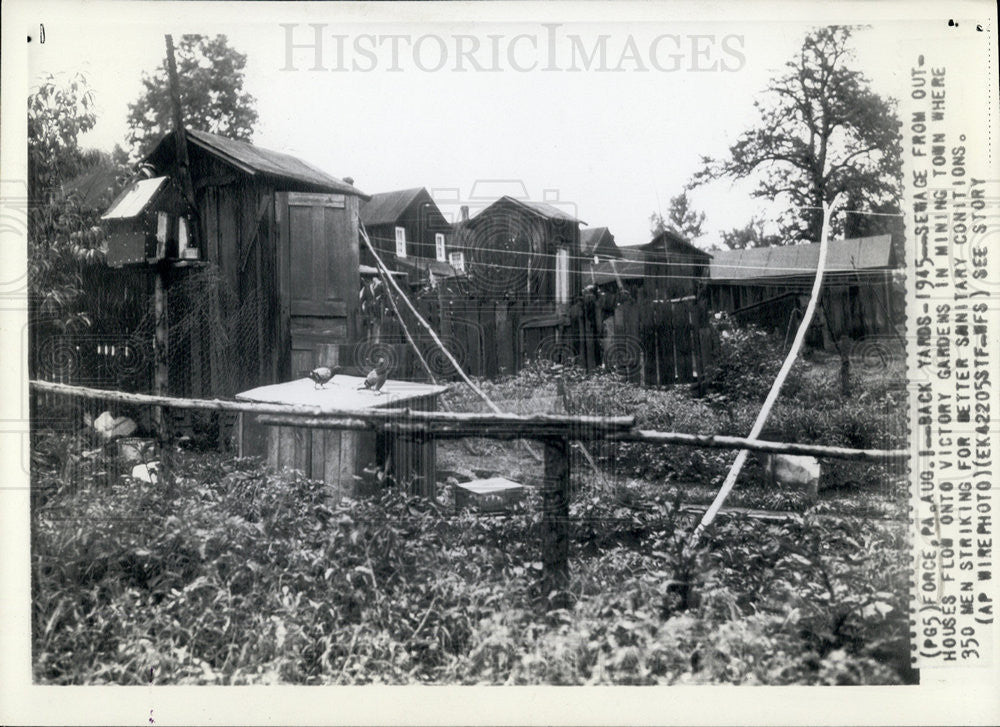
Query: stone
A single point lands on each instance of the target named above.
(109, 426)
(146, 472)
(793, 472)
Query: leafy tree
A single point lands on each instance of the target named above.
(657, 224)
(210, 76)
(750, 235)
(821, 131)
(57, 115)
(681, 218)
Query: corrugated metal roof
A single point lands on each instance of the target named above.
(95, 186)
(256, 160)
(860, 253)
(134, 199)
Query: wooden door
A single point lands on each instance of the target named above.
(319, 274)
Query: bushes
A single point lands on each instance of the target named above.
(236, 576)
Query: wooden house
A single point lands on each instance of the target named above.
(766, 285)
(674, 268)
(261, 266)
(405, 225)
(666, 268)
(597, 244)
(517, 249)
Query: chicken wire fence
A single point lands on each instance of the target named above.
(212, 346)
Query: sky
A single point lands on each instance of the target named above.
(610, 146)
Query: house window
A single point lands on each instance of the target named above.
(400, 242)
(562, 275)
(439, 247)
(457, 261)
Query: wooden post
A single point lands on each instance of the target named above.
(555, 523)
(845, 366)
(160, 372)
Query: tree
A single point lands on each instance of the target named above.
(750, 235)
(57, 116)
(210, 77)
(681, 218)
(61, 236)
(821, 131)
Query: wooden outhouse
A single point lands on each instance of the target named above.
(261, 265)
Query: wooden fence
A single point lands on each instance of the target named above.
(651, 342)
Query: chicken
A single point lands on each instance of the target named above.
(322, 375)
(375, 378)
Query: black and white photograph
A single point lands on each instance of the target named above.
(499, 344)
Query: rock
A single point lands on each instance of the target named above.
(794, 472)
(146, 472)
(135, 449)
(111, 427)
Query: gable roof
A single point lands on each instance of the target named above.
(660, 241)
(592, 237)
(541, 209)
(255, 160)
(856, 254)
(385, 208)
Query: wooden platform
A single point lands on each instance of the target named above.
(337, 456)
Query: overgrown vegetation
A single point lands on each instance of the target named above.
(235, 576)
(241, 577)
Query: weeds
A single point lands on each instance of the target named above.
(239, 576)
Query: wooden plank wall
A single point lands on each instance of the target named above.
(653, 342)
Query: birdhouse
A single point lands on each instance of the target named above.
(148, 223)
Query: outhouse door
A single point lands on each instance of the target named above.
(319, 276)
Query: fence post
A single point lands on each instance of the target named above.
(555, 523)
(845, 366)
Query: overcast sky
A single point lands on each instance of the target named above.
(611, 145)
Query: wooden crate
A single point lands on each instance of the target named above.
(334, 456)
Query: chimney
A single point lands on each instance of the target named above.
(349, 180)
(464, 211)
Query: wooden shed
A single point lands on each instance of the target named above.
(667, 267)
(766, 285)
(517, 249)
(673, 267)
(262, 270)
